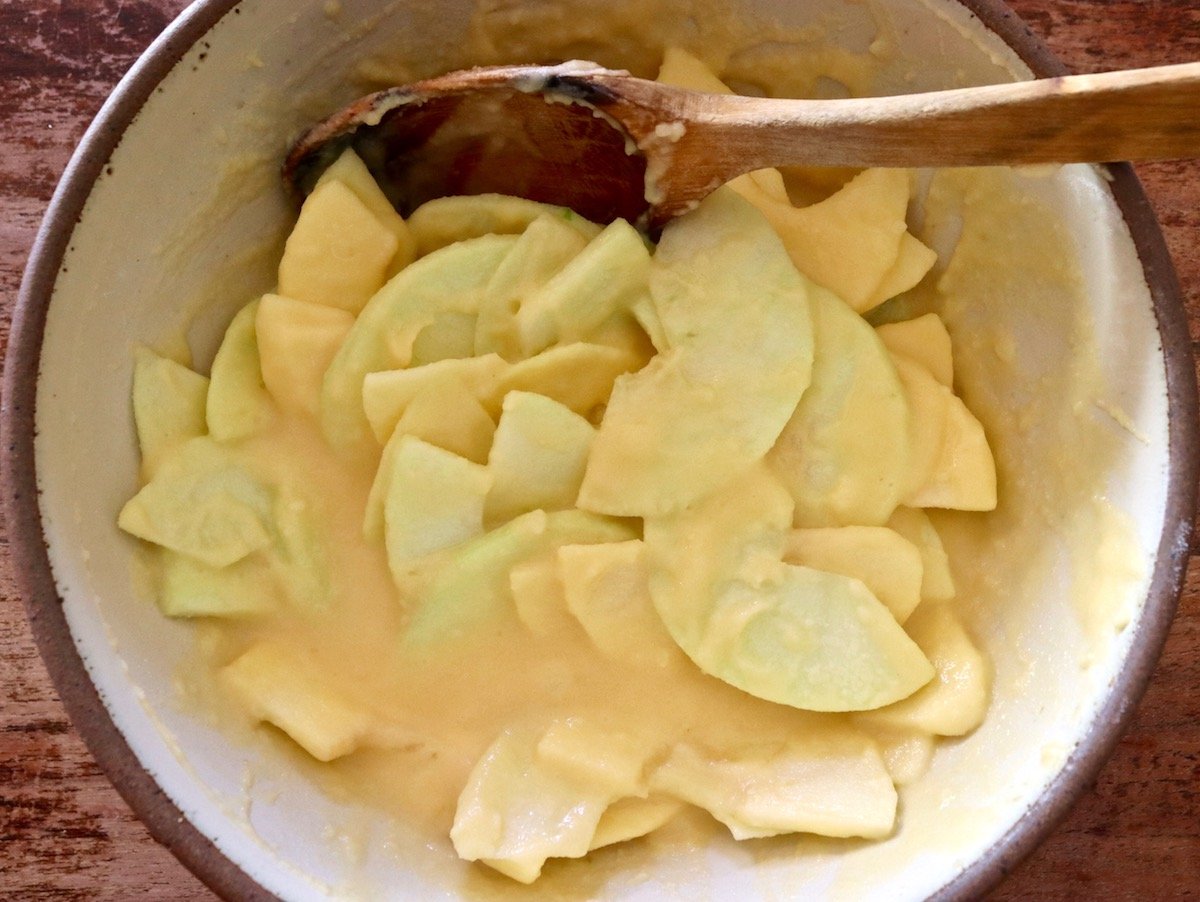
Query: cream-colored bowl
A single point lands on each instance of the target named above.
(1071, 346)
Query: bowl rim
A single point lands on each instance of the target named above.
(19, 494)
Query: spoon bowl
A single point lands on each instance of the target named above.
(488, 130)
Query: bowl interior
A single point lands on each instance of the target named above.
(1056, 341)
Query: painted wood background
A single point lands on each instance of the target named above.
(65, 833)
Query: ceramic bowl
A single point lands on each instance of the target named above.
(167, 220)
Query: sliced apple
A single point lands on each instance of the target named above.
(737, 534)
(605, 277)
(850, 241)
(579, 376)
(277, 684)
(350, 170)
(793, 635)
(238, 404)
(446, 415)
(434, 501)
(538, 595)
(928, 408)
(297, 340)
(954, 703)
(844, 452)
(537, 458)
(202, 502)
(189, 588)
(964, 476)
(339, 253)
(451, 417)
(168, 406)
(923, 340)
(592, 755)
(629, 818)
(646, 314)
(469, 587)
(447, 220)
(625, 332)
(451, 335)
(451, 280)
(386, 395)
(518, 809)
(685, 70)
(937, 583)
(298, 555)
(913, 260)
(702, 412)
(813, 640)
(907, 755)
(831, 782)
(543, 249)
(885, 562)
(607, 588)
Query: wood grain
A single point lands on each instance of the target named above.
(64, 832)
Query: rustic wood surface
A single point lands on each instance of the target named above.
(64, 832)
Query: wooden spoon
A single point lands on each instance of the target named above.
(609, 145)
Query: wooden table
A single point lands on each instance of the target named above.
(64, 831)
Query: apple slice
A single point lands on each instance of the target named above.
(850, 241)
(537, 458)
(813, 640)
(632, 817)
(793, 635)
(843, 455)
(625, 332)
(469, 588)
(923, 340)
(202, 502)
(607, 589)
(277, 684)
(954, 703)
(451, 335)
(338, 253)
(605, 277)
(882, 560)
(964, 476)
(913, 260)
(189, 588)
(532, 797)
(447, 220)
(297, 340)
(238, 404)
(386, 395)
(537, 592)
(382, 338)
(434, 501)
(579, 376)
(714, 404)
(937, 583)
(350, 170)
(928, 407)
(168, 406)
(446, 415)
(831, 781)
(543, 249)
(684, 70)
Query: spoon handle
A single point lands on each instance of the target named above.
(1138, 114)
